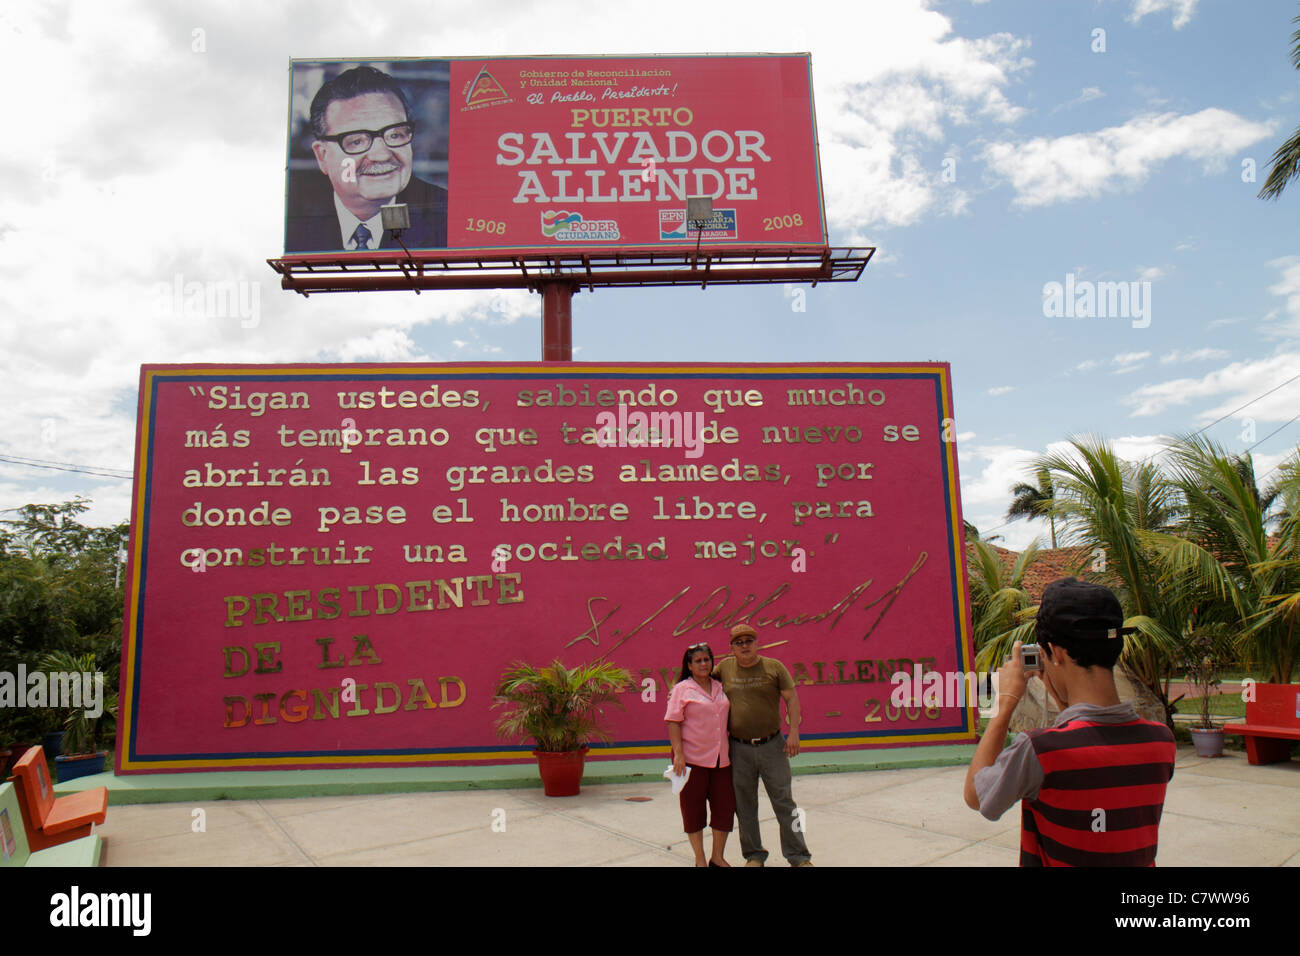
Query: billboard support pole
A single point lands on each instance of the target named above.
(557, 321)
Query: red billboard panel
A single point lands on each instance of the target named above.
(331, 565)
(552, 152)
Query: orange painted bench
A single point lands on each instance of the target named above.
(51, 820)
(13, 840)
(1272, 722)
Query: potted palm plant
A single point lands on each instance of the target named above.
(84, 736)
(1203, 656)
(561, 709)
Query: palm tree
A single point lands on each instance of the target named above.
(1286, 161)
(1152, 500)
(1034, 501)
(1124, 510)
(1283, 607)
(1281, 492)
(999, 602)
(1223, 564)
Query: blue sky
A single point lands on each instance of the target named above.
(1124, 164)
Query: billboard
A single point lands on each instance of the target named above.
(552, 153)
(331, 565)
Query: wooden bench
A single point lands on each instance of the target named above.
(1272, 722)
(15, 851)
(51, 820)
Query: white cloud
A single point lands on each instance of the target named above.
(1200, 355)
(383, 345)
(1044, 171)
(1288, 286)
(1086, 95)
(1086, 365)
(1182, 10)
(1140, 447)
(891, 89)
(1129, 361)
(1150, 273)
(1002, 389)
(988, 474)
(1239, 383)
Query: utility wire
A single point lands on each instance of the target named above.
(1266, 438)
(1230, 414)
(67, 466)
(1249, 403)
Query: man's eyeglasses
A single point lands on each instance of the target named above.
(357, 141)
(742, 642)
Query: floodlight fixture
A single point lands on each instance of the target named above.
(699, 210)
(396, 217)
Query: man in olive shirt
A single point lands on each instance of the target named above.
(755, 686)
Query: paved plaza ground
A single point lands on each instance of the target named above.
(1219, 812)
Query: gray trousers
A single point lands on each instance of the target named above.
(768, 761)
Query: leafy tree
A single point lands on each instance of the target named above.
(59, 592)
(1286, 161)
(1034, 501)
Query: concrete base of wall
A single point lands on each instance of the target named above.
(278, 784)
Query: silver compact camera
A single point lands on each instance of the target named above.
(1030, 654)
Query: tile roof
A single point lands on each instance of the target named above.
(1049, 564)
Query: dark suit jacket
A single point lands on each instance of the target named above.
(313, 224)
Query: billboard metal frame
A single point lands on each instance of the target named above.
(558, 275)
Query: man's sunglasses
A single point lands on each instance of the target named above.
(742, 642)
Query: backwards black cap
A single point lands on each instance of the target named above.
(1078, 610)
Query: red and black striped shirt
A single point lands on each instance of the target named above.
(1102, 794)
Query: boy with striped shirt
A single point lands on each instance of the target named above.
(1091, 786)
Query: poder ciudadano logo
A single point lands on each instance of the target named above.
(565, 226)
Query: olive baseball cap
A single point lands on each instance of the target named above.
(1079, 610)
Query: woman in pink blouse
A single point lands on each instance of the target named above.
(697, 728)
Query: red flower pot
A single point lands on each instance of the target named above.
(561, 772)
